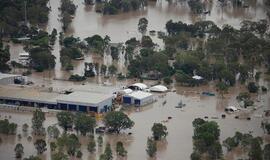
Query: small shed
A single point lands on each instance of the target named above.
(158, 88)
(138, 98)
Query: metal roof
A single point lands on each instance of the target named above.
(139, 94)
(28, 94)
(3, 75)
(86, 98)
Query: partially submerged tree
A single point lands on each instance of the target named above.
(40, 146)
(117, 121)
(159, 131)
(37, 122)
(18, 150)
(65, 120)
(142, 25)
(84, 123)
(151, 147)
(120, 150)
(53, 132)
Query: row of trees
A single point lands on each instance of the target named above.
(116, 6)
(64, 145)
(250, 144)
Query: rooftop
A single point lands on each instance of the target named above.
(28, 94)
(3, 75)
(84, 97)
(140, 94)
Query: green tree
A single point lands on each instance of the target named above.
(159, 131)
(19, 150)
(230, 143)
(114, 53)
(142, 25)
(79, 154)
(59, 156)
(4, 58)
(40, 146)
(151, 147)
(117, 121)
(72, 144)
(266, 152)
(53, 146)
(108, 152)
(37, 122)
(195, 156)
(32, 158)
(255, 152)
(25, 127)
(103, 69)
(147, 42)
(53, 132)
(120, 150)
(100, 141)
(7, 128)
(112, 69)
(91, 147)
(65, 119)
(84, 123)
(222, 88)
(41, 59)
(252, 87)
(167, 80)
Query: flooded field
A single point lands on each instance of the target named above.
(178, 144)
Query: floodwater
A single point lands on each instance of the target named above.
(123, 26)
(178, 144)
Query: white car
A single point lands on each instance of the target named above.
(231, 109)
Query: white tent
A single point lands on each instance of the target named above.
(126, 91)
(141, 86)
(197, 77)
(158, 88)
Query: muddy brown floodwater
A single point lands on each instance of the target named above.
(178, 144)
(123, 26)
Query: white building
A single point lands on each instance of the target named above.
(85, 102)
(138, 98)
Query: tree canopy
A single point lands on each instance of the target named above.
(117, 121)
